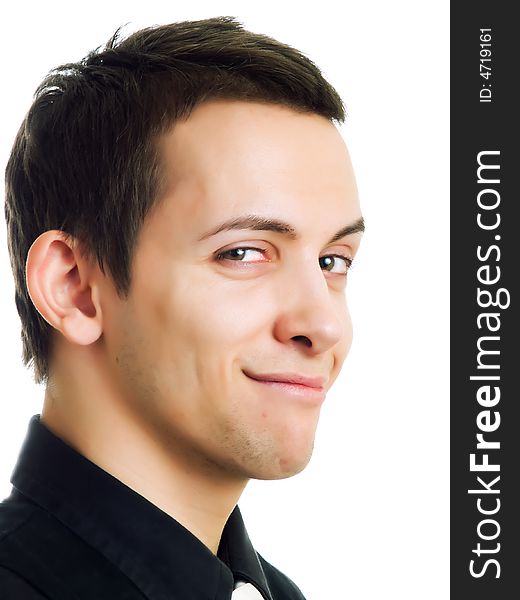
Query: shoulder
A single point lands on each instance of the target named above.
(282, 588)
(14, 514)
(34, 549)
(38, 552)
(14, 587)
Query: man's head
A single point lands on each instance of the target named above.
(188, 212)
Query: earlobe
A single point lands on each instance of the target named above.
(58, 283)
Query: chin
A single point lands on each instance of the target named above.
(282, 467)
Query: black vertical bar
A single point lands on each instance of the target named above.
(485, 256)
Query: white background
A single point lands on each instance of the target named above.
(369, 517)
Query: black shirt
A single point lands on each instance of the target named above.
(71, 531)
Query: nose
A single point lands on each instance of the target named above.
(313, 316)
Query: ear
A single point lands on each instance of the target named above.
(59, 281)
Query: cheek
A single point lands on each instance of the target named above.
(228, 314)
(343, 346)
(194, 331)
(348, 330)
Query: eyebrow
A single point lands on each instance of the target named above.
(257, 223)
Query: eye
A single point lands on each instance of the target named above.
(241, 253)
(336, 263)
(331, 262)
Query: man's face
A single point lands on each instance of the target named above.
(211, 312)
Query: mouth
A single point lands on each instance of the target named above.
(292, 384)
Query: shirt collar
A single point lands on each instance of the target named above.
(154, 550)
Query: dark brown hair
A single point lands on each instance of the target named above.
(85, 159)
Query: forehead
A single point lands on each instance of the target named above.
(236, 156)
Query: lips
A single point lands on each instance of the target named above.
(290, 378)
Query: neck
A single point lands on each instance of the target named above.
(101, 427)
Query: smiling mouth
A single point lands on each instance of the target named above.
(292, 384)
(291, 378)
